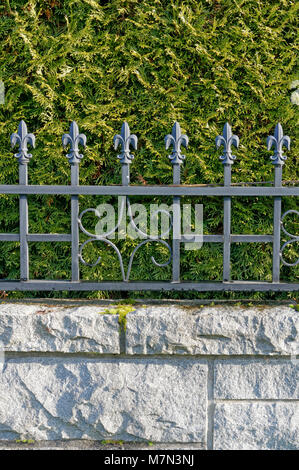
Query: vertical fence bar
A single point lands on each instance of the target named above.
(176, 139)
(227, 139)
(23, 206)
(74, 224)
(74, 138)
(176, 244)
(276, 226)
(124, 139)
(226, 225)
(23, 139)
(278, 159)
(125, 174)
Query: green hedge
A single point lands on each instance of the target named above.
(201, 63)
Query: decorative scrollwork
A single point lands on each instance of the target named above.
(23, 139)
(125, 139)
(176, 139)
(108, 242)
(227, 139)
(74, 138)
(161, 265)
(94, 235)
(278, 141)
(294, 238)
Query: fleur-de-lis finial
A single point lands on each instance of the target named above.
(278, 140)
(23, 139)
(227, 139)
(74, 138)
(125, 139)
(176, 139)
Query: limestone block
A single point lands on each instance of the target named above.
(267, 330)
(84, 398)
(257, 379)
(46, 328)
(253, 426)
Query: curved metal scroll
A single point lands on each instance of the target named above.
(161, 265)
(95, 237)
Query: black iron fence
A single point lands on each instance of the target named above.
(22, 138)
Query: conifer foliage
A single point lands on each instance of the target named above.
(152, 62)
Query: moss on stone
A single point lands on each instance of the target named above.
(122, 311)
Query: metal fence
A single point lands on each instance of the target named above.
(22, 138)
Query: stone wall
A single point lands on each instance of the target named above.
(211, 377)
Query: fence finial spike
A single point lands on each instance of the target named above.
(23, 139)
(227, 139)
(74, 138)
(278, 141)
(125, 139)
(176, 139)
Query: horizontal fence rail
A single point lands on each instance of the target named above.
(171, 190)
(125, 140)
